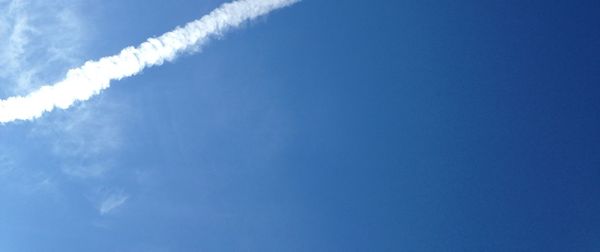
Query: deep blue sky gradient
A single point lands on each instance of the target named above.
(343, 126)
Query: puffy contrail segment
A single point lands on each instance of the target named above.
(94, 76)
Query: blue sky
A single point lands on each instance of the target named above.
(324, 126)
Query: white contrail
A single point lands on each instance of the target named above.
(94, 76)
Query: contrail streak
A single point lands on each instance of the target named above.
(94, 76)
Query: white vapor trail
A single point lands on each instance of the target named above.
(94, 76)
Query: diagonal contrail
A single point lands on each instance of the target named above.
(94, 76)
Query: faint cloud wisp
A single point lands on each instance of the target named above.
(80, 84)
(111, 202)
(37, 39)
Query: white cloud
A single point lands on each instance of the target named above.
(86, 139)
(111, 202)
(80, 84)
(38, 40)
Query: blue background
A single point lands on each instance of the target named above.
(343, 126)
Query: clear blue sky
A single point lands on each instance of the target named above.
(326, 126)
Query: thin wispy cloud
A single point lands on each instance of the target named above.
(6, 165)
(82, 83)
(111, 202)
(31, 49)
(18, 181)
(84, 153)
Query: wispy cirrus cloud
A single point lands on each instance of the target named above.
(111, 202)
(85, 139)
(38, 41)
(82, 83)
(16, 180)
(31, 49)
(84, 153)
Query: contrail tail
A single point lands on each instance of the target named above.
(82, 83)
